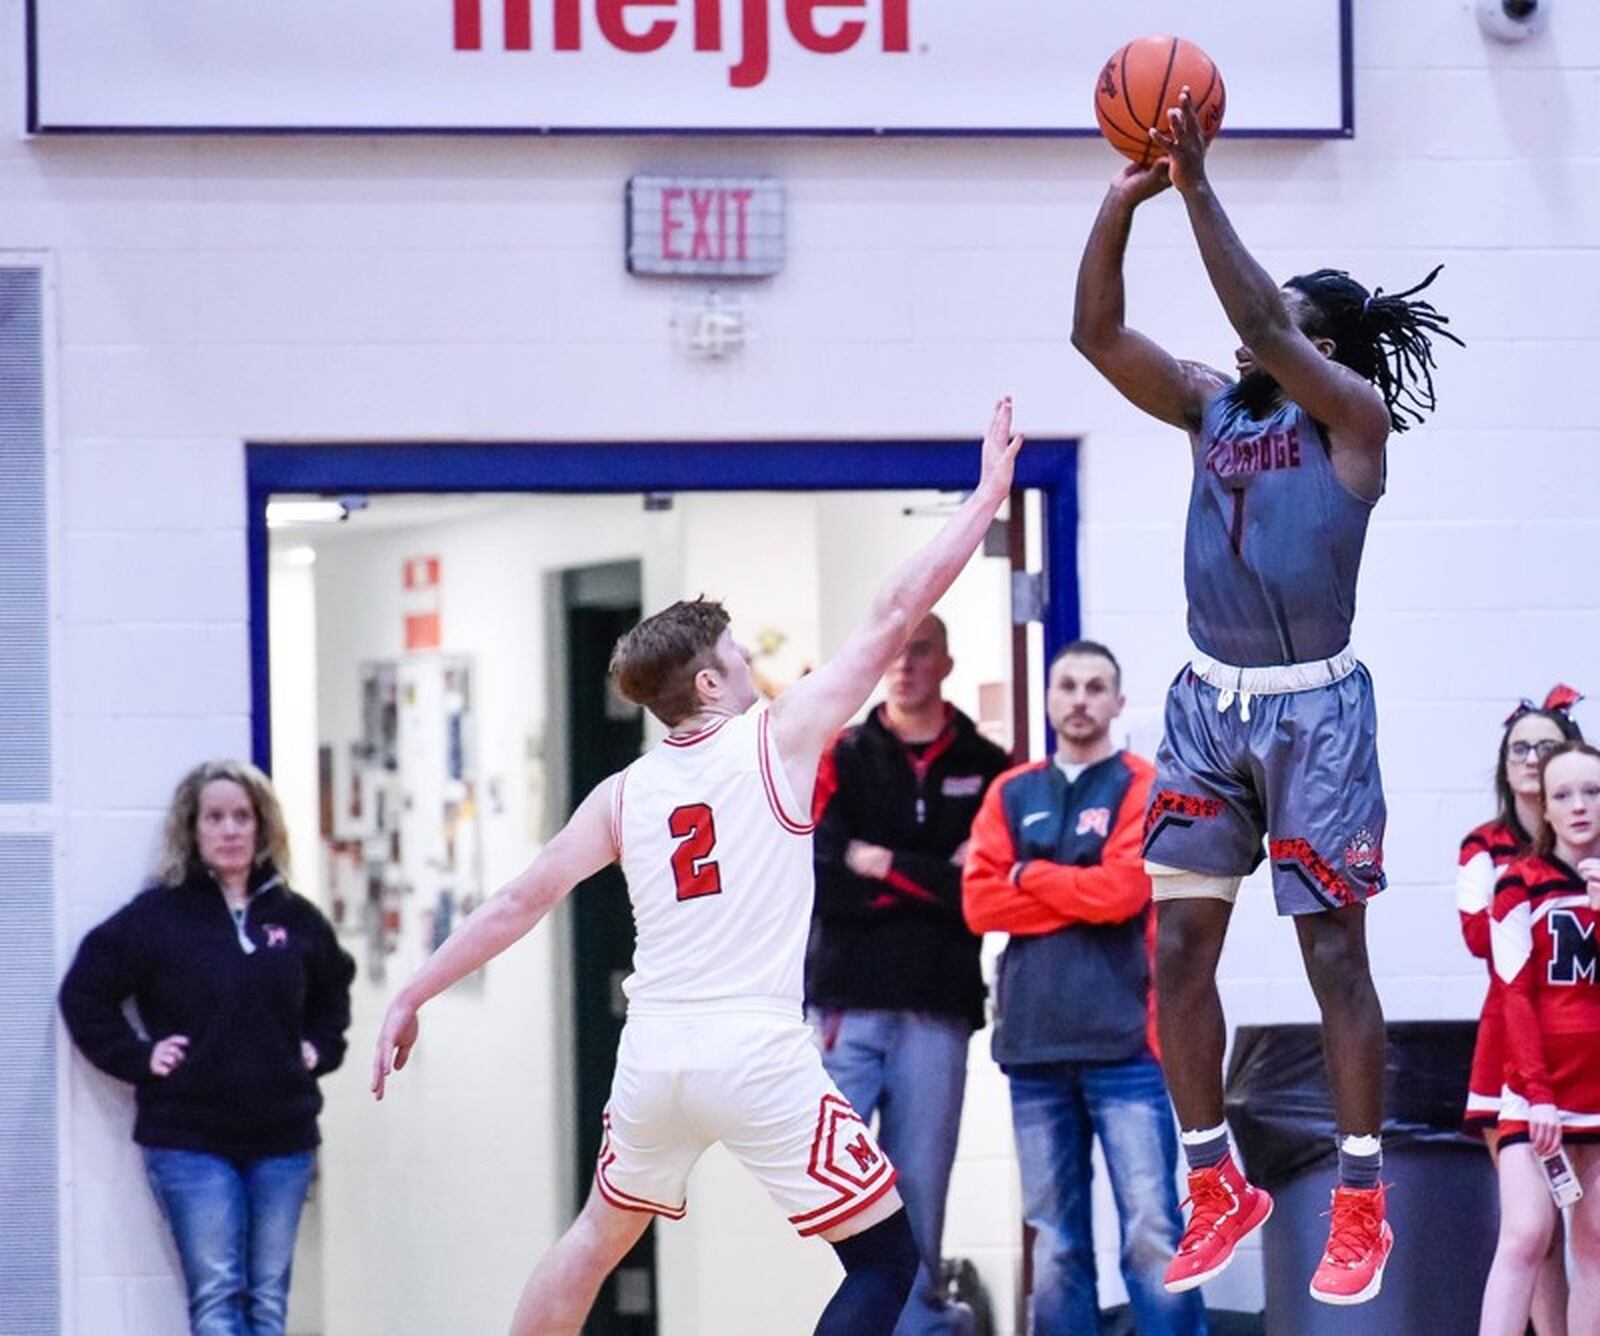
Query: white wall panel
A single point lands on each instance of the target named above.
(222, 289)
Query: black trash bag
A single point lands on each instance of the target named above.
(1281, 1110)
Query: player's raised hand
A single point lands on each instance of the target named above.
(395, 1042)
(1184, 144)
(1136, 184)
(999, 450)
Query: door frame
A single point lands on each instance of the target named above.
(333, 469)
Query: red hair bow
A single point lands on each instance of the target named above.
(1560, 699)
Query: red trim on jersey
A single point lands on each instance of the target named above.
(763, 753)
(689, 739)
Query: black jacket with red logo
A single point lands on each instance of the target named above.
(245, 994)
(899, 944)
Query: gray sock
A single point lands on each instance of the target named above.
(1360, 1161)
(1205, 1148)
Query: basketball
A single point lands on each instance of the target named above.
(1141, 83)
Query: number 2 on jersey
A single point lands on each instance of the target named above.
(692, 865)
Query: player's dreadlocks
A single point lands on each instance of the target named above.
(1380, 336)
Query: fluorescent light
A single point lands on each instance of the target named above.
(300, 556)
(281, 513)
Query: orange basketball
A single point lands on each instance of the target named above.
(1141, 83)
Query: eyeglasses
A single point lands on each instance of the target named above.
(1520, 751)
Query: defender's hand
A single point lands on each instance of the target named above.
(1184, 144)
(395, 1042)
(999, 450)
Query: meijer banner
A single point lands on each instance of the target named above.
(847, 66)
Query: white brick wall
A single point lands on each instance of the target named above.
(215, 290)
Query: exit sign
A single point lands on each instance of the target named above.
(705, 226)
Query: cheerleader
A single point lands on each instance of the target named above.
(1530, 734)
(1546, 951)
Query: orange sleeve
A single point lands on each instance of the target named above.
(990, 900)
(1115, 889)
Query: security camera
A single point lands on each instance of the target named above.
(1513, 20)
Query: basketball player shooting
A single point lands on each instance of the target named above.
(1270, 731)
(712, 828)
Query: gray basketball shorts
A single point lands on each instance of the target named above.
(1301, 772)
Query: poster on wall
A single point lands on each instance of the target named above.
(995, 67)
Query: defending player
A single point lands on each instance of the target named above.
(712, 829)
(1270, 730)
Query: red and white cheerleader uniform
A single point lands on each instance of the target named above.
(1547, 956)
(1485, 853)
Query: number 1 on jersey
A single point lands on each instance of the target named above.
(692, 865)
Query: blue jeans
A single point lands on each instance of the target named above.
(911, 1069)
(234, 1224)
(1057, 1109)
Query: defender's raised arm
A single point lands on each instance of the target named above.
(809, 713)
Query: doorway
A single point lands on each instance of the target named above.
(588, 603)
(603, 735)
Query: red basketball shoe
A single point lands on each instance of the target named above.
(1226, 1209)
(1359, 1242)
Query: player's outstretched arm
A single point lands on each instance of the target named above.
(1144, 373)
(1333, 394)
(579, 849)
(808, 714)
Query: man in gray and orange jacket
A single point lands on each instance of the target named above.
(1056, 861)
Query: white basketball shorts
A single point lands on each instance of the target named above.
(753, 1081)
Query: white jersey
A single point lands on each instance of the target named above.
(717, 853)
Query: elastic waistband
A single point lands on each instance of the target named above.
(787, 1008)
(1273, 679)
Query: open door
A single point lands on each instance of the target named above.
(605, 733)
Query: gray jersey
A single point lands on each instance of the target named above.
(1273, 540)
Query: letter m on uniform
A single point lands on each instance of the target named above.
(865, 1154)
(1573, 949)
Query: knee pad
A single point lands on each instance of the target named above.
(1176, 883)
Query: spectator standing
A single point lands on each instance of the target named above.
(1056, 862)
(244, 997)
(893, 984)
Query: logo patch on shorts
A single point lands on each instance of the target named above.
(847, 1163)
(1363, 854)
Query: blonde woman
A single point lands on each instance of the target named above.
(244, 997)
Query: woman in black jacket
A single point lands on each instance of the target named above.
(243, 994)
